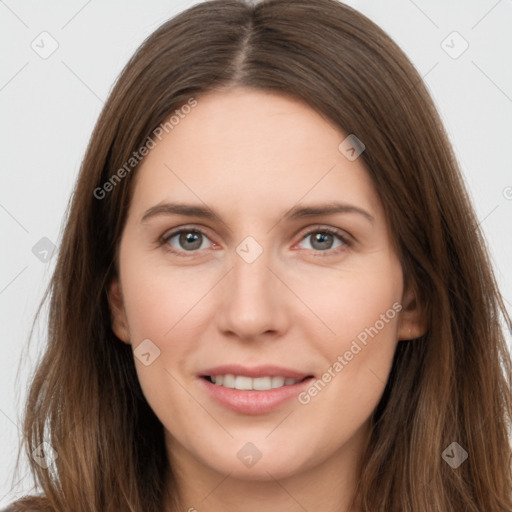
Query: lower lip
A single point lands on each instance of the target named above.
(253, 402)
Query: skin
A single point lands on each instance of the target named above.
(250, 156)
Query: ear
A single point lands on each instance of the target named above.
(117, 312)
(413, 321)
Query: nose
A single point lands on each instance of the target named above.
(255, 302)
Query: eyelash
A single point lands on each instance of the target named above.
(347, 243)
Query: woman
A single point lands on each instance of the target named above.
(272, 291)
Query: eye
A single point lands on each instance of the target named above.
(189, 240)
(325, 239)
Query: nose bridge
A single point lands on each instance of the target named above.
(252, 303)
(251, 277)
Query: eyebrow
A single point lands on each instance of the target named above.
(297, 212)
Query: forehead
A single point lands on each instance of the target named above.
(251, 149)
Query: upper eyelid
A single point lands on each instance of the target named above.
(176, 231)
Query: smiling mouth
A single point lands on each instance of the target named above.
(243, 383)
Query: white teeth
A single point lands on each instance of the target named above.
(243, 383)
(248, 384)
(262, 383)
(277, 382)
(229, 381)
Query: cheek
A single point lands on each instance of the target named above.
(349, 301)
(361, 307)
(161, 304)
(158, 298)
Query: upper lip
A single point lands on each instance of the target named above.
(254, 371)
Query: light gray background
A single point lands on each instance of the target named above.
(49, 106)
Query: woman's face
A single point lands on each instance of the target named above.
(284, 269)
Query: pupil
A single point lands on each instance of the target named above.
(190, 240)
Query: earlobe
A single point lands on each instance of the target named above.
(413, 322)
(117, 312)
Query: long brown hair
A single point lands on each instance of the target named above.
(450, 385)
